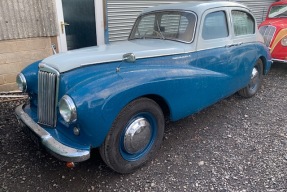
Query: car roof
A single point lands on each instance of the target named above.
(282, 2)
(195, 6)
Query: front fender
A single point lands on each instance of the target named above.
(100, 100)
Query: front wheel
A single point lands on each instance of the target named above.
(135, 136)
(255, 81)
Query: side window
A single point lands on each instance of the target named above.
(178, 26)
(215, 26)
(169, 25)
(146, 25)
(243, 23)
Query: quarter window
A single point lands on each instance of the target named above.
(243, 23)
(215, 26)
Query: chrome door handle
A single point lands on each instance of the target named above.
(235, 44)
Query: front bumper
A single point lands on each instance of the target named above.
(57, 149)
(279, 60)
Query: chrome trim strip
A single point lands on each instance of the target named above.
(56, 148)
(279, 60)
(47, 68)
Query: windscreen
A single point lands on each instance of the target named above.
(278, 11)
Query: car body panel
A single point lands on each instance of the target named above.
(113, 52)
(183, 77)
(199, 73)
(277, 50)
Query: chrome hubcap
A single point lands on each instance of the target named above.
(254, 78)
(137, 136)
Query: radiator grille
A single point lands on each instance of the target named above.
(268, 33)
(47, 98)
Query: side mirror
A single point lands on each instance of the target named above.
(129, 57)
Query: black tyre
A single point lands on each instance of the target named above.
(134, 137)
(255, 81)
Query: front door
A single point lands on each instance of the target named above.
(79, 23)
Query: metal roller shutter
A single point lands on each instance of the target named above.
(122, 14)
(259, 8)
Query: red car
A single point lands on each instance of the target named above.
(274, 31)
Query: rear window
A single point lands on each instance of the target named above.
(243, 23)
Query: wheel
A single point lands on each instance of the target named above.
(134, 137)
(255, 81)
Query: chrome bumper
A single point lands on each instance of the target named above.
(279, 60)
(56, 148)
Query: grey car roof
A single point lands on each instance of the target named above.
(195, 6)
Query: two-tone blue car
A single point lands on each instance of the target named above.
(178, 59)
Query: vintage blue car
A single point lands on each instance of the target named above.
(179, 59)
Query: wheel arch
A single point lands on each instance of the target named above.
(264, 55)
(264, 62)
(161, 102)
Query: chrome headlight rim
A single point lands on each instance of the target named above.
(67, 109)
(284, 41)
(21, 82)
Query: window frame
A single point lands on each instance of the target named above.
(218, 42)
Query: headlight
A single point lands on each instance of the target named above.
(68, 109)
(284, 41)
(21, 82)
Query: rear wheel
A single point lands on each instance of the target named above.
(255, 81)
(135, 136)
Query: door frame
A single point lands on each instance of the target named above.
(100, 27)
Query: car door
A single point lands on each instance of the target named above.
(213, 48)
(242, 49)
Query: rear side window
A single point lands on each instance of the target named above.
(215, 26)
(243, 23)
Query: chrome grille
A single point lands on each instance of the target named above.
(268, 33)
(47, 96)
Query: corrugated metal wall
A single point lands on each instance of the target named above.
(122, 14)
(27, 18)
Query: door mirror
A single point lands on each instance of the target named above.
(129, 57)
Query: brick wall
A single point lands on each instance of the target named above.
(17, 54)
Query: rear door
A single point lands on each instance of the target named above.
(213, 47)
(243, 50)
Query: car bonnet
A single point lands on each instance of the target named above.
(141, 48)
